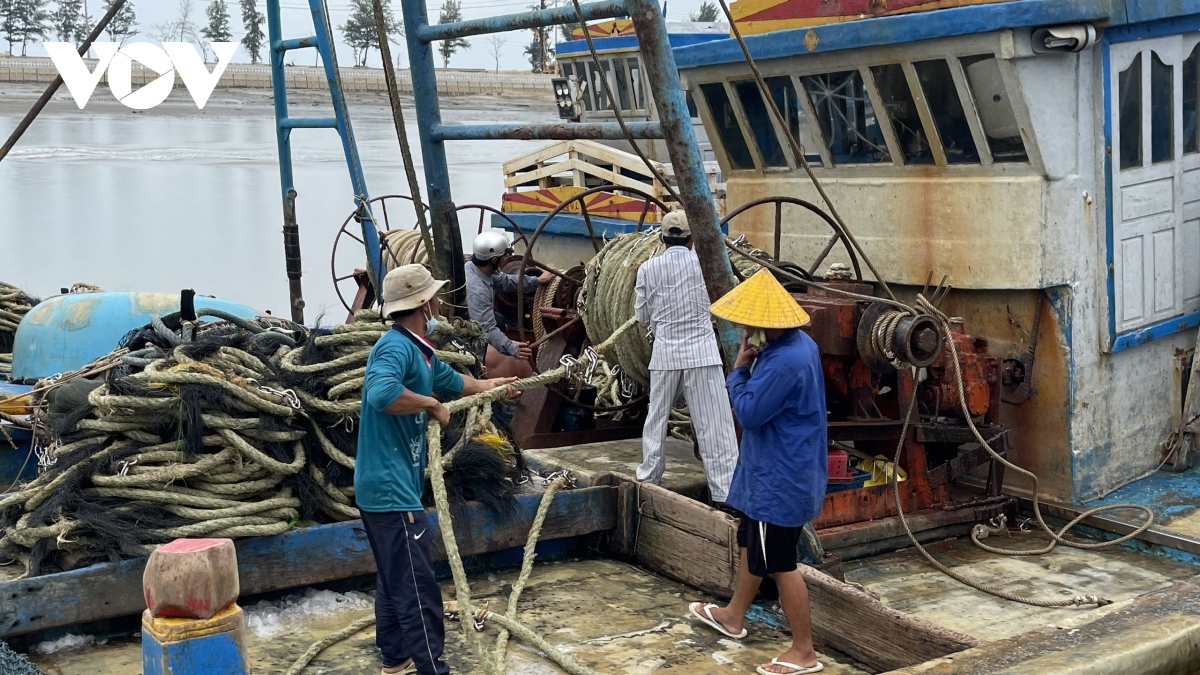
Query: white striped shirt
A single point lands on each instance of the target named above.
(671, 297)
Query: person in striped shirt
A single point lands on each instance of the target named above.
(671, 297)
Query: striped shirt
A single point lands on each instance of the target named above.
(671, 297)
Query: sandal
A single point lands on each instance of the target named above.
(703, 612)
(795, 669)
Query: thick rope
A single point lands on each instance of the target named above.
(333, 638)
(981, 531)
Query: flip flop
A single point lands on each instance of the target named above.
(406, 670)
(795, 669)
(703, 612)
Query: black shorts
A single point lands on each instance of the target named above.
(770, 549)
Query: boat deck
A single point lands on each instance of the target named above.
(684, 473)
(1175, 498)
(617, 617)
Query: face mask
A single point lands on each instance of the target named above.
(431, 325)
(758, 338)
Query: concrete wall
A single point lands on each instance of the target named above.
(258, 76)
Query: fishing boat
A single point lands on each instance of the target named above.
(977, 105)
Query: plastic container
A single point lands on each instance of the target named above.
(839, 464)
(853, 481)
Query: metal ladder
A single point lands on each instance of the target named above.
(321, 40)
(674, 126)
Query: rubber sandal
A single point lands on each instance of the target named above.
(795, 669)
(703, 612)
(406, 670)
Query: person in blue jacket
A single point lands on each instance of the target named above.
(401, 375)
(777, 389)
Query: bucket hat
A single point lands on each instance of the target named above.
(760, 302)
(408, 287)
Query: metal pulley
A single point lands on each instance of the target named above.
(888, 339)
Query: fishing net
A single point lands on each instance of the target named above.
(229, 428)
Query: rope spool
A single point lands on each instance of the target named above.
(607, 299)
(403, 247)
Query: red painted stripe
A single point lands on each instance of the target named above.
(813, 9)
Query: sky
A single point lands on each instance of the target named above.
(297, 22)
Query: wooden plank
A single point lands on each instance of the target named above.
(537, 156)
(685, 514)
(684, 557)
(865, 629)
(858, 533)
(303, 556)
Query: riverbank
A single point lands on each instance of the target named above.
(40, 70)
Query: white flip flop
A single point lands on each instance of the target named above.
(795, 669)
(703, 612)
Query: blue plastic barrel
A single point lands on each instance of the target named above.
(66, 332)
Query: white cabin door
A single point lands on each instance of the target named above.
(1146, 89)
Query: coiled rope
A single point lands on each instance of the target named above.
(14, 305)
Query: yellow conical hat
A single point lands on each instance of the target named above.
(760, 302)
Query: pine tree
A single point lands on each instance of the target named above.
(7, 24)
(360, 32)
(451, 13)
(217, 29)
(539, 51)
(253, 21)
(70, 25)
(707, 13)
(27, 21)
(124, 23)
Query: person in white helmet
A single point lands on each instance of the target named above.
(504, 356)
(670, 296)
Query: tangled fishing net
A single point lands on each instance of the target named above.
(229, 428)
(14, 304)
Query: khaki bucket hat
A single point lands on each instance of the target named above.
(760, 302)
(409, 287)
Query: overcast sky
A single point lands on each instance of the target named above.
(297, 22)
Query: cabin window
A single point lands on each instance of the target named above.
(942, 96)
(847, 117)
(597, 86)
(618, 68)
(898, 101)
(784, 93)
(1130, 113)
(758, 119)
(568, 71)
(1000, 124)
(635, 84)
(1162, 117)
(691, 104)
(1191, 91)
(727, 126)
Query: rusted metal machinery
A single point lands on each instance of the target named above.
(878, 362)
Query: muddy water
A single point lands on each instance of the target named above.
(179, 198)
(617, 618)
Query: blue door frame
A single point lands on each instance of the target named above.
(1176, 324)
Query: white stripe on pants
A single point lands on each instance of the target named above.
(712, 422)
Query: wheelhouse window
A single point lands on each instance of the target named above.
(954, 131)
(597, 86)
(898, 101)
(727, 126)
(1191, 91)
(847, 117)
(635, 84)
(1162, 90)
(784, 93)
(758, 119)
(996, 113)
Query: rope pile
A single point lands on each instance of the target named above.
(227, 429)
(14, 304)
(403, 247)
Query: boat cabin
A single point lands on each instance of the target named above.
(1040, 154)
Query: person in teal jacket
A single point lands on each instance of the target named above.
(777, 390)
(402, 374)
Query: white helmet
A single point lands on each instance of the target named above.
(489, 244)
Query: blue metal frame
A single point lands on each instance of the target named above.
(322, 41)
(1172, 25)
(661, 73)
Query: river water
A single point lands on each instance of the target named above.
(178, 198)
